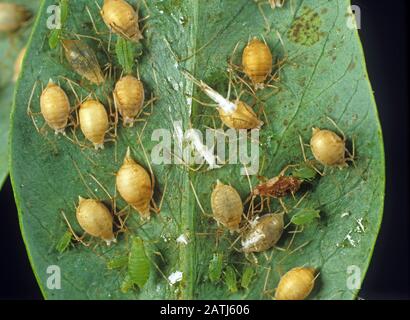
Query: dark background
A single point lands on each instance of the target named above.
(384, 37)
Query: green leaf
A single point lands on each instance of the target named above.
(215, 267)
(10, 47)
(304, 216)
(323, 76)
(138, 263)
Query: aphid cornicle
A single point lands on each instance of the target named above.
(129, 98)
(95, 218)
(296, 284)
(227, 206)
(94, 122)
(122, 19)
(18, 64)
(328, 148)
(263, 234)
(135, 186)
(55, 107)
(12, 16)
(83, 60)
(257, 62)
(235, 115)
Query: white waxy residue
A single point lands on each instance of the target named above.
(182, 239)
(223, 103)
(252, 239)
(175, 277)
(207, 154)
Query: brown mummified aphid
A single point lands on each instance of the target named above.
(257, 62)
(135, 186)
(18, 64)
(235, 115)
(227, 206)
(278, 187)
(12, 16)
(264, 232)
(296, 284)
(122, 19)
(55, 107)
(129, 98)
(83, 60)
(94, 122)
(328, 148)
(95, 218)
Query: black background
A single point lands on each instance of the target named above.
(384, 37)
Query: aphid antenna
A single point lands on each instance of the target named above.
(265, 18)
(337, 127)
(293, 251)
(83, 180)
(199, 202)
(92, 20)
(29, 111)
(76, 237)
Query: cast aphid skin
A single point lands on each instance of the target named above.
(129, 98)
(12, 16)
(257, 62)
(296, 284)
(83, 60)
(227, 206)
(328, 148)
(235, 115)
(94, 122)
(18, 64)
(135, 186)
(96, 220)
(264, 232)
(122, 19)
(55, 107)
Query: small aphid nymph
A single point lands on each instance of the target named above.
(94, 122)
(328, 148)
(122, 19)
(257, 62)
(55, 107)
(129, 98)
(135, 186)
(12, 16)
(263, 233)
(227, 206)
(83, 60)
(18, 64)
(296, 284)
(96, 220)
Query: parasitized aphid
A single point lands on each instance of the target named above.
(278, 187)
(263, 233)
(64, 242)
(296, 284)
(129, 98)
(235, 115)
(257, 62)
(94, 122)
(122, 19)
(215, 267)
(83, 60)
(13, 16)
(227, 206)
(302, 216)
(138, 263)
(55, 107)
(135, 185)
(230, 279)
(18, 64)
(247, 277)
(96, 220)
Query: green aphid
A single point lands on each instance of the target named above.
(247, 277)
(304, 216)
(64, 242)
(117, 263)
(305, 173)
(230, 279)
(215, 267)
(138, 263)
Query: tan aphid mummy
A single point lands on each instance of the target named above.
(235, 115)
(296, 284)
(18, 64)
(263, 234)
(227, 206)
(129, 98)
(328, 148)
(55, 107)
(83, 60)
(12, 16)
(257, 62)
(94, 122)
(135, 186)
(96, 220)
(122, 19)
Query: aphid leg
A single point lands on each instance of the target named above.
(283, 205)
(260, 4)
(30, 113)
(337, 127)
(198, 202)
(76, 237)
(309, 163)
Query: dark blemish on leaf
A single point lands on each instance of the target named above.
(305, 29)
(324, 11)
(352, 65)
(285, 122)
